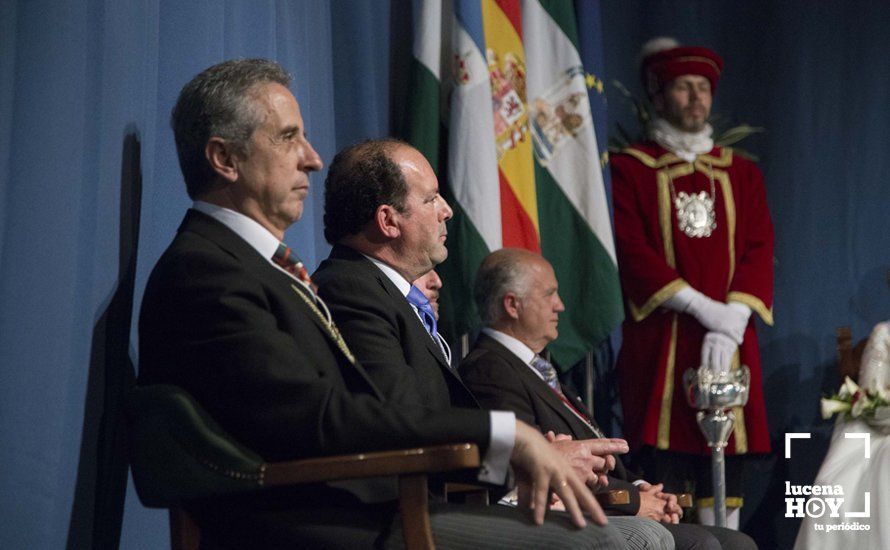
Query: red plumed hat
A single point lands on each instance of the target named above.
(660, 67)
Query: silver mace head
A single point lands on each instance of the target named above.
(713, 394)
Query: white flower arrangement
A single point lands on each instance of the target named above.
(852, 402)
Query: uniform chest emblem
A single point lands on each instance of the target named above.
(695, 213)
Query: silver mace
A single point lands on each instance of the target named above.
(714, 395)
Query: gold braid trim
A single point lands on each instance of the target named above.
(731, 502)
(729, 205)
(664, 216)
(738, 428)
(664, 419)
(724, 160)
(755, 303)
(650, 161)
(665, 208)
(332, 330)
(660, 296)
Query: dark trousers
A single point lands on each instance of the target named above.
(688, 473)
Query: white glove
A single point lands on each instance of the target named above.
(730, 319)
(742, 314)
(717, 350)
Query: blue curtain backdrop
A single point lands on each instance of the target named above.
(86, 90)
(90, 194)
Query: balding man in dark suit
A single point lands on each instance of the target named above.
(517, 294)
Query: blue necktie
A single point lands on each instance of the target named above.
(418, 300)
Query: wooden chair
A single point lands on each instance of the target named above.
(178, 453)
(849, 356)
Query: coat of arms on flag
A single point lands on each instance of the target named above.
(522, 165)
(559, 114)
(508, 100)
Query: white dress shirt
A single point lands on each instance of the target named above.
(248, 229)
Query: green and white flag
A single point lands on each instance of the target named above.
(576, 232)
(499, 106)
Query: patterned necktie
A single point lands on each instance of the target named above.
(417, 299)
(547, 371)
(290, 262)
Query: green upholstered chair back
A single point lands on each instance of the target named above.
(178, 453)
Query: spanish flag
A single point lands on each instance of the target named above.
(499, 105)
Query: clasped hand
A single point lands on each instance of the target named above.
(658, 505)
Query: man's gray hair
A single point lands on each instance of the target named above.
(501, 272)
(217, 103)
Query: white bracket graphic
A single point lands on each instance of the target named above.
(862, 435)
(793, 435)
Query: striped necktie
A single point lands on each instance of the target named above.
(288, 260)
(548, 371)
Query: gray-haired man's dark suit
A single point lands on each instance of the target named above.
(500, 380)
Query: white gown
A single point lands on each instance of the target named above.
(845, 465)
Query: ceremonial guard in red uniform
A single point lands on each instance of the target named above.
(695, 254)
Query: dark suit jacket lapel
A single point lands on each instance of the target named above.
(231, 242)
(397, 300)
(578, 403)
(582, 431)
(537, 385)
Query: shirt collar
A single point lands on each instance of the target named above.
(403, 284)
(520, 350)
(686, 145)
(248, 229)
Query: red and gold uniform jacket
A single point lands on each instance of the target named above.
(656, 259)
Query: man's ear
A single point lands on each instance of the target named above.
(512, 304)
(221, 156)
(386, 220)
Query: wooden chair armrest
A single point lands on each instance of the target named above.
(411, 465)
(439, 458)
(613, 497)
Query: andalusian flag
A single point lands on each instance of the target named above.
(523, 167)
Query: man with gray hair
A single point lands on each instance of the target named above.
(517, 295)
(230, 315)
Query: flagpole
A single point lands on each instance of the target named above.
(588, 380)
(464, 345)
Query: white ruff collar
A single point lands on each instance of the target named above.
(686, 145)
